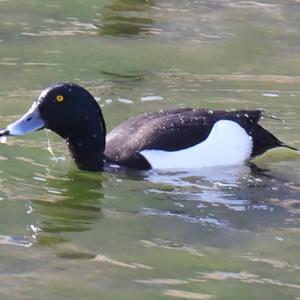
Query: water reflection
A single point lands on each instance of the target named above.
(221, 175)
(15, 241)
(77, 210)
(240, 197)
(126, 17)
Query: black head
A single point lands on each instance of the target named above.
(67, 108)
(73, 113)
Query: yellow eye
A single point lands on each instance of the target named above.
(59, 98)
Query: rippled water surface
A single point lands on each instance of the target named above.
(219, 233)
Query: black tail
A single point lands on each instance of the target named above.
(263, 140)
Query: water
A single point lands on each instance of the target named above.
(219, 233)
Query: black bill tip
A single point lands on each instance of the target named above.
(4, 132)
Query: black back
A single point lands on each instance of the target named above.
(173, 130)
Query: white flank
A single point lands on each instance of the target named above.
(227, 144)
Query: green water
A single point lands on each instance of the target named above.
(226, 233)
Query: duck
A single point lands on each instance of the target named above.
(166, 139)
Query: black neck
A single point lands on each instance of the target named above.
(86, 142)
(87, 151)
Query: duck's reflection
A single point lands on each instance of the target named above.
(241, 197)
(237, 197)
(73, 204)
(229, 175)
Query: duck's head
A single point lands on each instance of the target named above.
(73, 113)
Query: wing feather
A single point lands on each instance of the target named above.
(169, 130)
